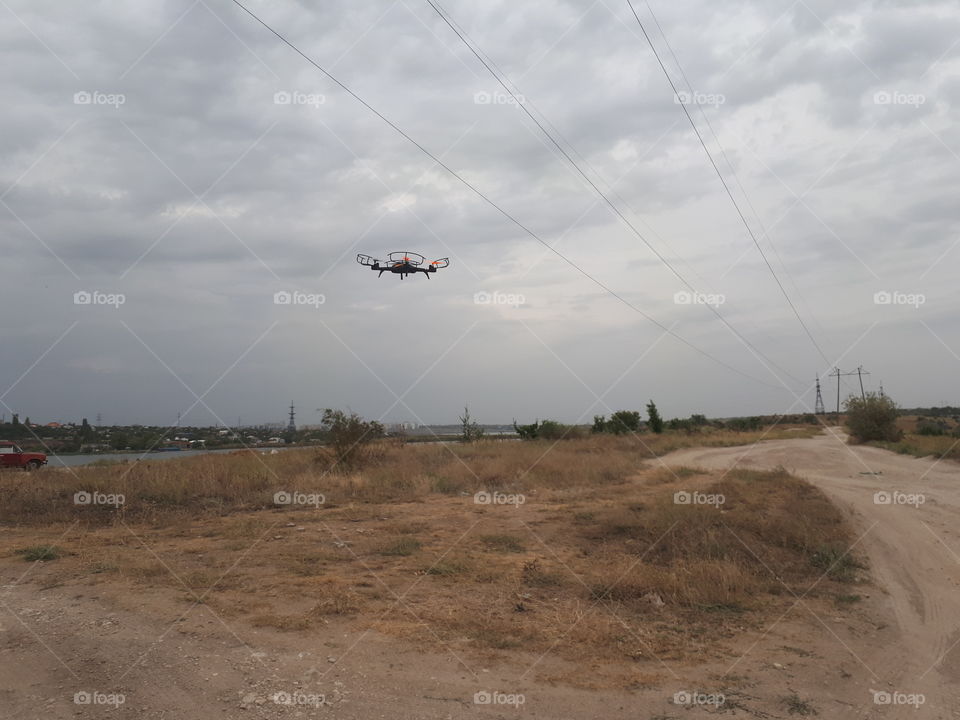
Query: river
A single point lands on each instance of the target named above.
(56, 461)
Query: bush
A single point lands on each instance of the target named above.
(873, 417)
(548, 430)
(348, 436)
(932, 428)
(623, 422)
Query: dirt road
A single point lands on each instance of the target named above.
(908, 514)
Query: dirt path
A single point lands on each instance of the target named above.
(913, 545)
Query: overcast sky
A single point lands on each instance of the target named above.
(181, 165)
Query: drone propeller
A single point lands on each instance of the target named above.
(441, 263)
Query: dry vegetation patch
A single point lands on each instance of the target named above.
(600, 561)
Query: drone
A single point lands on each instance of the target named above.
(403, 263)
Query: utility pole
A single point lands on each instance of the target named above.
(818, 407)
(860, 374)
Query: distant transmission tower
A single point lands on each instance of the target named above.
(292, 426)
(819, 408)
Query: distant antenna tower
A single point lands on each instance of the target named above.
(819, 408)
(99, 419)
(292, 426)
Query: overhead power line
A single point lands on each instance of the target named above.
(522, 105)
(729, 164)
(453, 173)
(726, 186)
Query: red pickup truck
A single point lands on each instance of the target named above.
(11, 456)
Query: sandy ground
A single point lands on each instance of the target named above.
(913, 545)
(901, 639)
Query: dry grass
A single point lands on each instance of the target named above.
(940, 447)
(214, 485)
(599, 563)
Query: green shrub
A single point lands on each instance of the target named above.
(872, 417)
(348, 437)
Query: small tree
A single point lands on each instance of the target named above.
(527, 432)
(470, 431)
(873, 417)
(599, 424)
(349, 436)
(624, 421)
(86, 432)
(653, 418)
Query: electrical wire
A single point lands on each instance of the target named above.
(726, 187)
(603, 196)
(453, 173)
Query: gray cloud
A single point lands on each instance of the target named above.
(294, 191)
